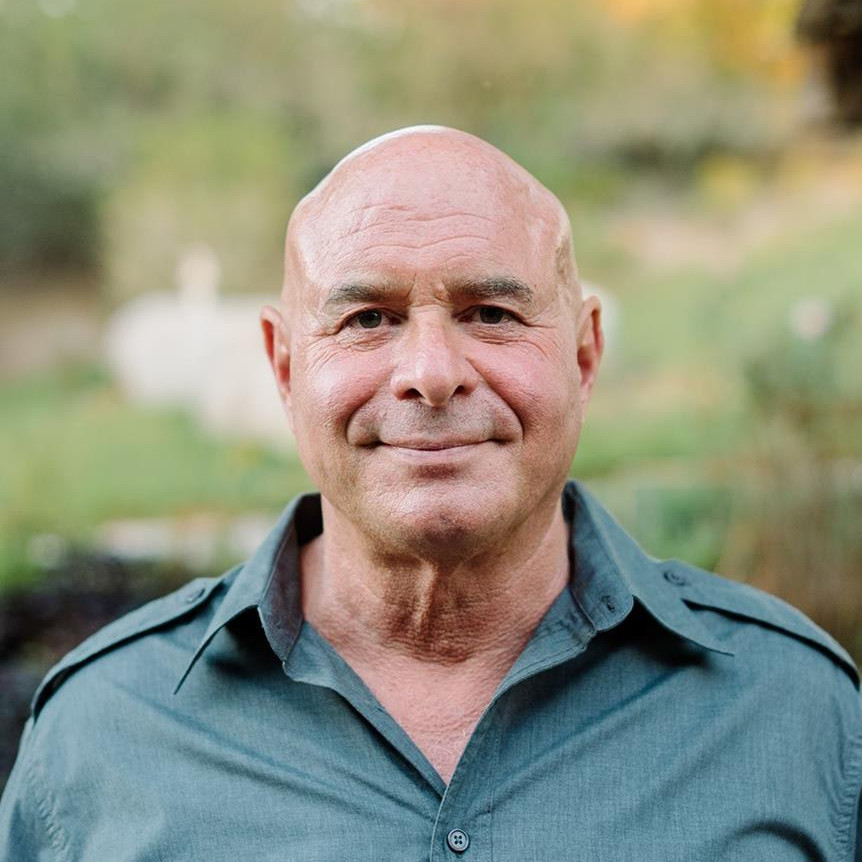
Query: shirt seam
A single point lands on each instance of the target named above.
(543, 633)
(492, 784)
(546, 632)
(46, 810)
(547, 662)
(565, 622)
(851, 798)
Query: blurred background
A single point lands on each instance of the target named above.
(709, 153)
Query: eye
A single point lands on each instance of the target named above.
(492, 314)
(369, 319)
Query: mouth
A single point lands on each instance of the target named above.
(431, 445)
(433, 453)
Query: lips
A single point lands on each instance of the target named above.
(429, 445)
(440, 457)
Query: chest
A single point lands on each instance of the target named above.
(548, 772)
(439, 713)
(440, 735)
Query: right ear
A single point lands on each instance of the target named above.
(275, 340)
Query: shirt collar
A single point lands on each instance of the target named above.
(609, 572)
(269, 582)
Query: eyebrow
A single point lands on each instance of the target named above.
(354, 293)
(496, 287)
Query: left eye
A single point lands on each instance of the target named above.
(370, 319)
(491, 314)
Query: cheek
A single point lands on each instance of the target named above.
(541, 386)
(327, 390)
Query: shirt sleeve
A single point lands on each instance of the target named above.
(24, 832)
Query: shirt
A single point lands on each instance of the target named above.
(658, 712)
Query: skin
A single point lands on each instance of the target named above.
(435, 357)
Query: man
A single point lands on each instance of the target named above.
(450, 652)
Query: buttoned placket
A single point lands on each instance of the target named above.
(461, 812)
(460, 817)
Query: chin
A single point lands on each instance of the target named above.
(432, 522)
(444, 539)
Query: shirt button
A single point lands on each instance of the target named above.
(675, 578)
(609, 603)
(458, 840)
(194, 595)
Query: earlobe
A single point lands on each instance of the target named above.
(275, 340)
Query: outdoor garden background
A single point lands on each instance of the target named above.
(151, 153)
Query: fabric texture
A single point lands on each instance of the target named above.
(657, 713)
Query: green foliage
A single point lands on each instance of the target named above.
(761, 476)
(724, 319)
(49, 218)
(183, 110)
(690, 523)
(73, 455)
(222, 180)
(799, 530)
(622, 441)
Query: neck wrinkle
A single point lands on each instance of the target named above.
(382, 607)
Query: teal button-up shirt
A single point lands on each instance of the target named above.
(657, 713)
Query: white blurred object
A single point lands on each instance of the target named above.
(200, 351)
(198, 542)
(811, 318)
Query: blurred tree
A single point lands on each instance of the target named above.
(583, 93)
(49, 217)
(798, 533)
(835, 28)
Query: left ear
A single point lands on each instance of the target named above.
(591, 344)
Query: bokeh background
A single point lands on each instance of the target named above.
(150, 154)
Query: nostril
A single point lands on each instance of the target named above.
(432, 369)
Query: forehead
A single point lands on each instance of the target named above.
(437, 220)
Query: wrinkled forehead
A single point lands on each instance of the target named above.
(430, 208)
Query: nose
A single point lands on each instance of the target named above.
(429, 363)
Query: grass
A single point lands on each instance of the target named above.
(710, 322)
(73, 454)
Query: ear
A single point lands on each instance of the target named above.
(277, 344)
(591, 344)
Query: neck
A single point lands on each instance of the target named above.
(370, 603)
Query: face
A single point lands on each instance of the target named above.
(434, 368)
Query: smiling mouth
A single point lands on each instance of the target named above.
(433, 445)
(436, 452)
(434, 457)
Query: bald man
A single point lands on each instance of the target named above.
(450, 650)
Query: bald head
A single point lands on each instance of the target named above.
(435, 357)
(442, 179)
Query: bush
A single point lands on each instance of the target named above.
(49, 218)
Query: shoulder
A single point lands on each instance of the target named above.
(732, 617)
(761, 627)
(143, 634)
(789, 691)
(98, 712)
